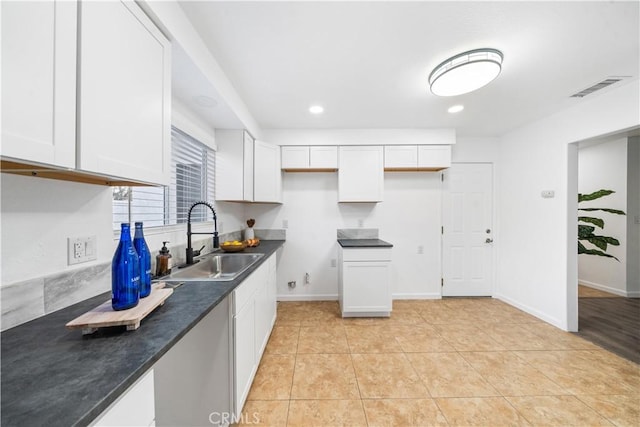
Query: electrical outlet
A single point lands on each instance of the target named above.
(81, 249)
(333, 262)
(548, 194)
(292, 284)
(285, 223)
(361, 223)
(420, 250)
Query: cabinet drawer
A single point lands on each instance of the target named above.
(366, 254)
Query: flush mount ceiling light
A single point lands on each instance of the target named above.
(316, 109)
(455, 108)
(465, 72)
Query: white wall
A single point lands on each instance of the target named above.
(37, 217)
(604, 166)
(537, 264)
(408, 217)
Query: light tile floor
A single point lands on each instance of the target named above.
(458, 362)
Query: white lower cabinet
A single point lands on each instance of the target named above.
(244, 354)
(254, 313)
(365, 282)
(134, 408)
(204, 379)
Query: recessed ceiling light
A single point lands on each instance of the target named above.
(205, 101)
(316, 109)
(466, 72)
(456, 108)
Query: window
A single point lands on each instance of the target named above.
(192, 179)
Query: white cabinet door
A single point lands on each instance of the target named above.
(244, 354)
(272, 289)
(39, 81)
(434, 157)
(234, 165)
(400, 156)
(136, 406)
(248, 167)
(295, 157)
(267, 173)
(265, 304)
(323, 157)
(366, 287)
(361, 174)
(263, 320)
(124, 99)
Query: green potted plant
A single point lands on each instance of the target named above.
(587, 226)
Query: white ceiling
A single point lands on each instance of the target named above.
(367, 63)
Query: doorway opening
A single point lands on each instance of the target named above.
(603, 288)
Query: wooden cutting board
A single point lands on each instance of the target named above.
(104, 315)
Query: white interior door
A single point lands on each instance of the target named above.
(467, 237)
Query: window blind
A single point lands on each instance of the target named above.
(192, 179)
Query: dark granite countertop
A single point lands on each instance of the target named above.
(53, 376)
(364, 243)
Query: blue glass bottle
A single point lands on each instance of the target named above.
(125, 273)
(144, 257)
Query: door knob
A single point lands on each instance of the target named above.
(489, 240)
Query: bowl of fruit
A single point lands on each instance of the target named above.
(233, 246)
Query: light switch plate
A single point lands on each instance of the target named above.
(81, 249)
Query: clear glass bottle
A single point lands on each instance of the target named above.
(125, 273)
(144, 257)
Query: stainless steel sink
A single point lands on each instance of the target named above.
(214, 267)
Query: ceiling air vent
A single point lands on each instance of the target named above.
(600, 85)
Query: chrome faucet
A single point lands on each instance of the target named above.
(216, 241)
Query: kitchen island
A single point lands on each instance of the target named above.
(54, 376)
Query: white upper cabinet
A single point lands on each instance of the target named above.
(361, 174)
(248, 166)
(434, 157)
(124, 99)
(295, 157)
(304, 158)
(400, 156)
(322, 157)
(234, 166)
(417, 157)
(39, 81)
(76, 94)
(247, 170)
(267, 178)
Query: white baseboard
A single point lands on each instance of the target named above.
(417, 296)
(308, 297)
(598, 286)
(532, 311)
(334, 297)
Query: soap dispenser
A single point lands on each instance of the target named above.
(163, 261)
